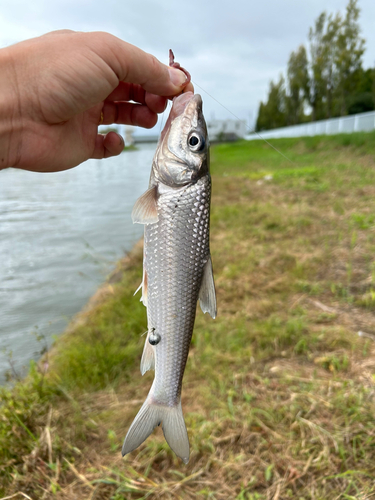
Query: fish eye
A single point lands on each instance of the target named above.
(196, 142)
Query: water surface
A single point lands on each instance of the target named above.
(60, 235)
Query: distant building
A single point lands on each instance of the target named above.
(139, 139)
(129, 135)
(226, 130)
(218, 131)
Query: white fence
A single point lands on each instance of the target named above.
(362, 122)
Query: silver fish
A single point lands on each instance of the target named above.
(177, 268)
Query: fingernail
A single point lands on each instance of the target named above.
(177, 77)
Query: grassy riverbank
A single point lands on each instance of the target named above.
(278, 393)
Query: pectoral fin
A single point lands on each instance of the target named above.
(145, 210)
(207, 294)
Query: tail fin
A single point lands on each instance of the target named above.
(149, 417)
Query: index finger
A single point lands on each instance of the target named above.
(133, 92)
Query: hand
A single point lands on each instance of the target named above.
(56, 88)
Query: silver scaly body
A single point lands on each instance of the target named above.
(177, 267)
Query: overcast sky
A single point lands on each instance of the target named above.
(232, 49)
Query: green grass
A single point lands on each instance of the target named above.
(278, 390)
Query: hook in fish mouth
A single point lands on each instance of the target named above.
(180, 103)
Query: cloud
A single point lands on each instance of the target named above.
(232, 49)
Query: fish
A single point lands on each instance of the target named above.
(177, 267)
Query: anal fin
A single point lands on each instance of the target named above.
(148, 357)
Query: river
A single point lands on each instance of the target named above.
(60, 236)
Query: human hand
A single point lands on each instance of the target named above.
(55, 89)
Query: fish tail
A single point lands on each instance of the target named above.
(150, 416)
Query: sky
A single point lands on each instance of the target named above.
(232, 49)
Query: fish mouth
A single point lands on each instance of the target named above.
(181, 102)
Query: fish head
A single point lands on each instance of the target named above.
(182, 156)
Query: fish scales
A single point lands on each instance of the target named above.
(176, 251)
(177, 269)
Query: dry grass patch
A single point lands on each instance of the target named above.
(278, 393)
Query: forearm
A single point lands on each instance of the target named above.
(10, 116)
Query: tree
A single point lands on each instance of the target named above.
(330, 79)
(323, 41)
(336, 51)
(317, 85)
(363, 98)
(262, 120)
(272, 113)
(298, 85)
(349, 52)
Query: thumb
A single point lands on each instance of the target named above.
(133, 65)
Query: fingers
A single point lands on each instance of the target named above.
(156, 103)
(189, 88)
(59, 32)
(130, 92)
(111, 144)
(133, 65)
(128, 114)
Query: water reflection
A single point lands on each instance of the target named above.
(60, 234)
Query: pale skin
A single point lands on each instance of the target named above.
(57, 88)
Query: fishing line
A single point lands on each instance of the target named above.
(161, 122)
(249, 129)
(162, 118)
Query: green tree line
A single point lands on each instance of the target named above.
(325, 80)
